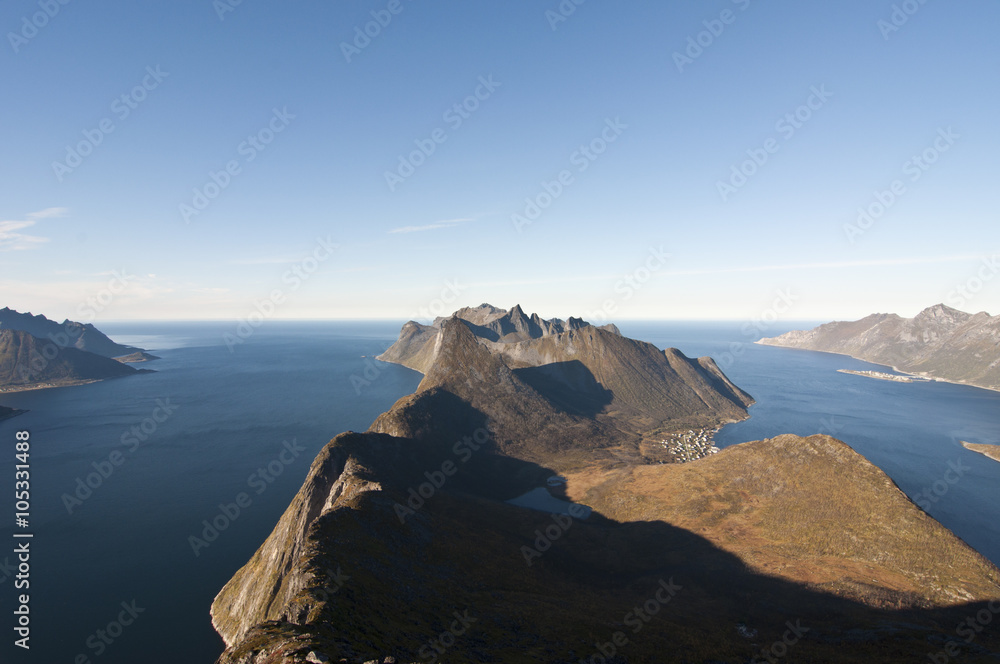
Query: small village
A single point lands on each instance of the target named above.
(690, 445)
(879, 374)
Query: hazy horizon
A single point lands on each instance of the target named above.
(682, 161)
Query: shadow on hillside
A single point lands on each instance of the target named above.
(568, 386)
(550, 589)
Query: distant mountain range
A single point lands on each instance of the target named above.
(940, 342)
(82, 336)
(37, 352)
(401, 545)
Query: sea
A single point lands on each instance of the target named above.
(148, 492)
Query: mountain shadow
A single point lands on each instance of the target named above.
(393, 537)
(568, 386)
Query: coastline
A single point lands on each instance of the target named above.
(13, 389)
(925, 376)
(988, 451)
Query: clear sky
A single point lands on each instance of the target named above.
(676, 160)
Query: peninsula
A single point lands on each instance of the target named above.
(940, 343)
(991, 451)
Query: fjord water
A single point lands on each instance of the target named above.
(277, 398)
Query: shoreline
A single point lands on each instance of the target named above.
(924, 377)
(14, 389)
(988, 451)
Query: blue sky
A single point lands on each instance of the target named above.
(632, 154)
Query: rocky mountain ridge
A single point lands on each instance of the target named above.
(939, 342)
(81, 336)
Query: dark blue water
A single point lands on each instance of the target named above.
(129, 540)
(233, 412)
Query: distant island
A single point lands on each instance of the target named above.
(551, 486)
(132, 358)
(991, 451)
(37, 353)
(940, 343)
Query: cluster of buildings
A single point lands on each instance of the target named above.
(690, 445)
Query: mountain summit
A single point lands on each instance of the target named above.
(627, 388)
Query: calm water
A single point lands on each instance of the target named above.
(232, 414)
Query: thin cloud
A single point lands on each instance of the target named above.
(11, 239)
(49, 213)
(446, 223)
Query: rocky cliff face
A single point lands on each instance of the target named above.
(939, 342)
(400, 545)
